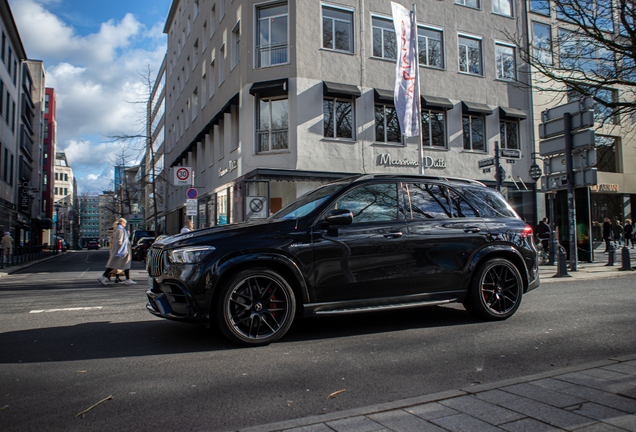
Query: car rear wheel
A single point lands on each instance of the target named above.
(495, 291)
(256, 307)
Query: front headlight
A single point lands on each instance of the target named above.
(190, 254)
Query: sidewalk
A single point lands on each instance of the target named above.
(595, 397)
(17, 268)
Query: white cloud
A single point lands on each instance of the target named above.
(95, 78)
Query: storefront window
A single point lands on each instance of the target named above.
(606, 159)
(222, 216)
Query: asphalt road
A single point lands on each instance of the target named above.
(67, 342)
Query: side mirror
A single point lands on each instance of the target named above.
(339, 217)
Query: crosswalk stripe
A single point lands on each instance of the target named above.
(67, 309)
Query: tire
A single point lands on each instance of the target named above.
(256, 307)
(495, 291)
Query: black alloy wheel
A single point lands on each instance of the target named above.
(495, 291)
(256, 307)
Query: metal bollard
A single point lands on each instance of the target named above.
(610, 255)
(562, 267)
(626, 260)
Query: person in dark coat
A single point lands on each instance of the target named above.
(628, 232)
(543, 233)
(607, 232)
(618, 233)
(120, 253)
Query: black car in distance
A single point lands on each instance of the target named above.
(371, 242)
(140, 250)
(92, 244)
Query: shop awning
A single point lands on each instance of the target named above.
(337, 89)
(512, 113)
(436, 102)
(270, 88)
(385, 96)
(475, 108)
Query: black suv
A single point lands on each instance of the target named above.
(366, 243)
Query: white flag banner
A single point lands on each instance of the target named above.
(407, 90)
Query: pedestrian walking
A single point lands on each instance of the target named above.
(120, 253)
(543, 233)
(187, 227)
(628, 232)
(607, 232)
(7, 245)
(617, 231)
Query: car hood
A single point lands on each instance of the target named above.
(203, 236)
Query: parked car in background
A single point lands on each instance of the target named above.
(92, 244)
(140, 250)
(139, 234)
(366, 243)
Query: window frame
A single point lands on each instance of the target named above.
(385, 129)
(481, 54)
(442, 111)
(503, 140)
(336, 100)
(257, 24)
(510, 3)
(384, 42)
(269, 129)
(350, 11)
(463, 3)
(498, 45)
(427, 53)
(485, 141)
(536, 50)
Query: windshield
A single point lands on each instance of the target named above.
(308, 202)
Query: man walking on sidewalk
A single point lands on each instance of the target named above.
(607, 233)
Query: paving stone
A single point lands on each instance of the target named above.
(622, 368)
(482, 410)
(547, 413)
(464, 423)
(430, 411)
(596, 411)
(600, 427)
(603, 398)
(586, 380)
(355, 424)
(402, 421)
(320, 427)
(603, 374)
(630, 393)
(549, 397)
(627, 422)
(528, 425)
(496, 397)
(553, 384)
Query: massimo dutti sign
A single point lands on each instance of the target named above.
(385, 159)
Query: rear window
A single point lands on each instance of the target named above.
(491, 203)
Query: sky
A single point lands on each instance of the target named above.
(95, 55)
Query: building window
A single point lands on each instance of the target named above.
(606, 157)
(221, 63)
(271, 48)
(384, 43)
(578, 53)
(387, 126)
(65, 191)
(195, 103)
(470, 3)
(337, 29)
(508, 134)
(430, 47)
(433, 128)
(65, 177)
(505, 62)
(46, 102)
(212, 81)
(236, 44)
(195, 54)
(473, 131)
(212, 20)
(502, 7)
(273, 125)
(542, 43)
(540, 6)
(470, 55)
(338, 118)
(55, 191)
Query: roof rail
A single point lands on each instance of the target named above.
(425, 177)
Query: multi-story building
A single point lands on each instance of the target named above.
(63, 177)
(12, 54)
(555, 42)
(107, 216)
(48, 159)
(266, 102)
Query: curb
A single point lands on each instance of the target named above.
(16, 269)
(405, 403)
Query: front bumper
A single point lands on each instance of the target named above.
(171, 301)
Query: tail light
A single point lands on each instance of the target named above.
(527, 231)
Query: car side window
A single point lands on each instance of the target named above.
(371, 203)
(460, 207)
(492, 202)
(426, 201)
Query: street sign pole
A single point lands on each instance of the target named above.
(553, 242)
(567, 118)
(497, 167)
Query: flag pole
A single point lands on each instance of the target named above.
(418, 99)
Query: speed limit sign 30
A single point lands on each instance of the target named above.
(183, 176)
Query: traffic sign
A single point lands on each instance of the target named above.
(182, 176)
(581, 139)
(256, 207)
(486, 162)
(510, 153)
(559, 181)
(191, 207)
(572, 108)
(557, 127)
(191, 193)
(580, 160)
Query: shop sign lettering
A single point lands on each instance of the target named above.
(429, 162)
(232, 165)
(604, 188)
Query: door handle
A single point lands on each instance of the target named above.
(393, 235)
(472, 230)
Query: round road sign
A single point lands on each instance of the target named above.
(183, 173)
(192, 193)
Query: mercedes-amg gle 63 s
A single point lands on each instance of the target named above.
(366, 243)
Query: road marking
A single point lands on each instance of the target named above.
(84, 272)
(67, 309)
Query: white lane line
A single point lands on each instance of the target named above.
(84, 272)
(66, 309)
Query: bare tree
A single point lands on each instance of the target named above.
(594, 54)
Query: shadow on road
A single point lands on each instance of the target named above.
(100, 340)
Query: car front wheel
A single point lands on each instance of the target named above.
(256, 307)
(495, 291)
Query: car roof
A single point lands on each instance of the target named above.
(456, 180)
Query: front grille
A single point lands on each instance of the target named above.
(155, 262)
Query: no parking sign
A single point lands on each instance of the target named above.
(192, 193)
